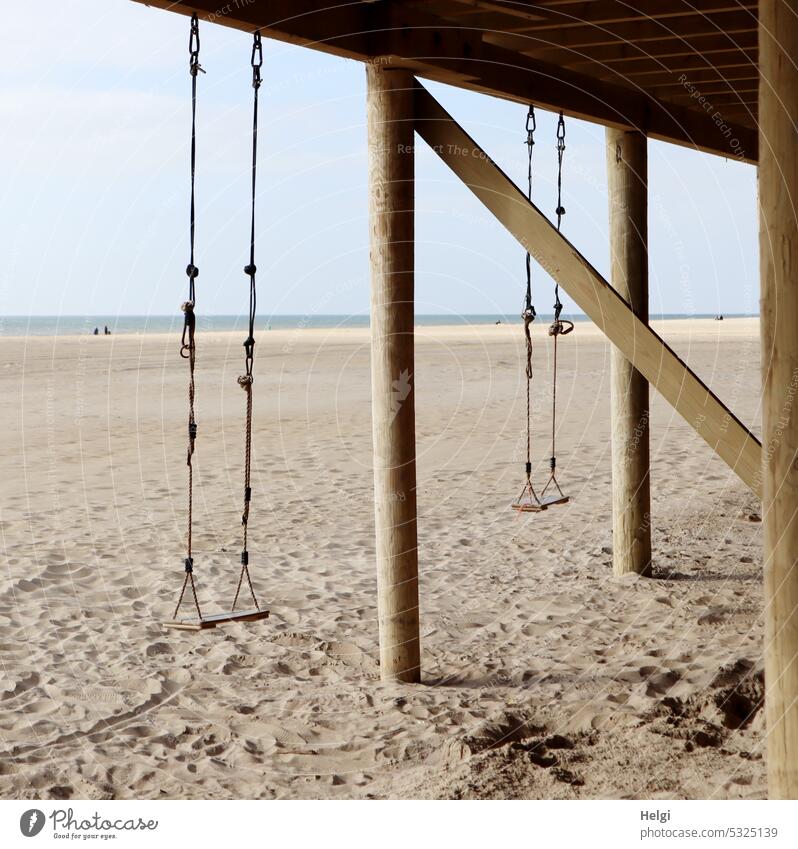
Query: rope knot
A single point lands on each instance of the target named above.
(245, 381)
(187, 342)
(560, 328)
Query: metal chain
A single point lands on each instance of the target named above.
(246, 380)
(187, 346)
(558, 327)
(560, 208)
(528, 314)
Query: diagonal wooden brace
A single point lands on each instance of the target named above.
(647, 352)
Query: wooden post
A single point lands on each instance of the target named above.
(711, 419)
(391, 206)
(778, 256)
(627, 179)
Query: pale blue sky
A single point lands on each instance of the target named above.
(94, 96)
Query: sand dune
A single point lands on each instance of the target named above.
(544, 676)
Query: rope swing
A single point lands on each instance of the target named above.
(557, 328)
(187, 346)
(529, 501)
(188, 352)
(246, 380)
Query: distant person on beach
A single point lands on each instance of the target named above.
(107, 332)
(96, 331)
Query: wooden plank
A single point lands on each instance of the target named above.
(778, 261)
(712, 51)
(660, 80)
(588, 33)
(627, 194)
(389, 106)
(340, 29)
(708, 44)
(427, 44)
(653, 8)
(647, 352)
(547, 15)
(675, 13)
(195, 624)
(654, 64)
(444, 50)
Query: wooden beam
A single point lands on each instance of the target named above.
(675, 13)
(675, 65)
(706, 44)
(778, 251)
(662, 79)
(342, 29)
(627, 192)
(446, 51)
(603, 60)
(650, 8)
(649, 354)
(391, 206)
(588, 33)
(505, 74)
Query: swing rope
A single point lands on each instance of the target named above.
(187, 346)
(246, 380)
(558, 327)
(528, 315)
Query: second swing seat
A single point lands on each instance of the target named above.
(551, 500)
(200, 624)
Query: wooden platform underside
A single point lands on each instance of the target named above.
(685, 72)
(196, 624)
(644, 349)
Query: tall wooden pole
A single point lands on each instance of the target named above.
(391, 206)
(627, 178)
(778, 257)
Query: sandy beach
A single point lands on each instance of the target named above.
(543, 675)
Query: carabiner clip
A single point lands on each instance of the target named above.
(531, 125)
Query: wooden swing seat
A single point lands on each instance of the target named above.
(197, 624)
(554, 499)
(543, 504)
(529, 507)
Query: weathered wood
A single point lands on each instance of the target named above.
(569, 15)
(778, 240)
(196, 624)
(627, 189)
(453, 51)
(649, 354)
(391, 205)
